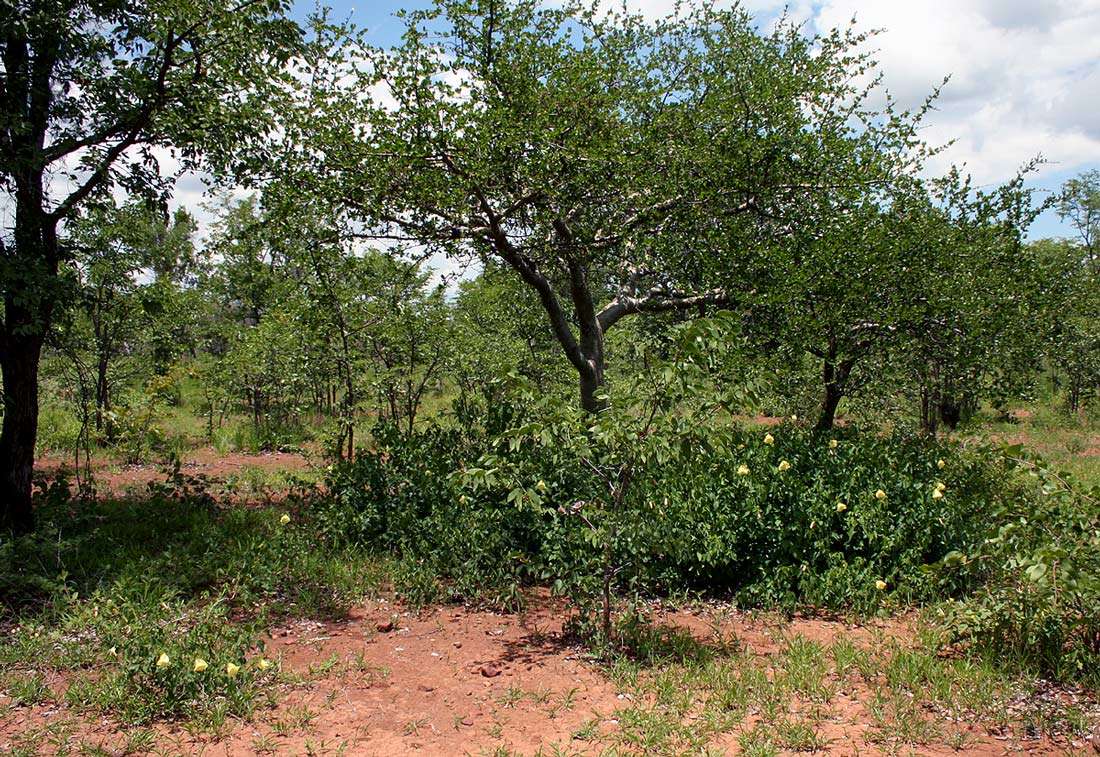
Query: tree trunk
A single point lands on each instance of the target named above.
(930, 401)
(102, 395)
(590, 384)
(835, 376)
(950, 411)
(829, 404)
(28, 307)
(19, 361)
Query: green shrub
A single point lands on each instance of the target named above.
(59, 427)
(780, 517)
(402, 496)
(135, 430)
(481, 514)
(1037, 604)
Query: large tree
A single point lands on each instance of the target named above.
(88, 90)
(614, 165)
(1080, 205)
(985, 310)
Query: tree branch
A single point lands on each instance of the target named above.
(657, 301)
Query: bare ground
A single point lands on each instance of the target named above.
(460, 681)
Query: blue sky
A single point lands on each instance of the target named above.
(1025, 73)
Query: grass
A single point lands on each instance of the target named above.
(910, 696)
(1054, 434)
(105, 590)
(99, 594)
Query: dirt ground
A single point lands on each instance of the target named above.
(456, 681)
(113, 477)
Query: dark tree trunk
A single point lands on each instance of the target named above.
(590, 384)
(829, 404)
(835, 375)
(950, 411)
(17, 438)
(28, 307)
(102, 395)
(930, 400)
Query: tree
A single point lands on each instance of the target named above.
(840, 291)
(983, 318)
(613, 165)
(1080, 205)
(1072, 298)
(87, 92)
(409, 338)
(111, 249)
(500, 327)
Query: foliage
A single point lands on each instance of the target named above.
(612, 165)
(1037, 574)
(109, 586)
(89, 91)
(402, 496)
(678, 497)
(1079, 204)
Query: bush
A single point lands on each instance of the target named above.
(481, 513)
(1037, 604)
(817, 532)
(59, 428)
(676, 500)
(133, 427)
(402, 497)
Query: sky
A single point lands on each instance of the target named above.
(1025, 74)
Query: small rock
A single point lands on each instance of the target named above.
(458, 645)
(467, 721)
(425, 687)
(490, 671)
(385, 627)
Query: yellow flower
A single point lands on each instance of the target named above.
(199, 666)
(794, 419)
(880, 495)
(940, 464)
(742, 470)
(232, 670)
(263, 664)
(940, 486)
(163, 661)
(880, 585)
(937, 494)
(769, 439)
(541, 485)
(833, 443)
(841, 507)
(784, 466)
(284, 520)
(113, 651)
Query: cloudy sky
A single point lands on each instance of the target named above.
(1025, 74)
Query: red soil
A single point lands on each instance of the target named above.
(112, 477)
(459, 681)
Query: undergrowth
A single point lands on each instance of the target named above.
(156, 606)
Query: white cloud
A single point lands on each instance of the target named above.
(1025, 74)
(1022, 73)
